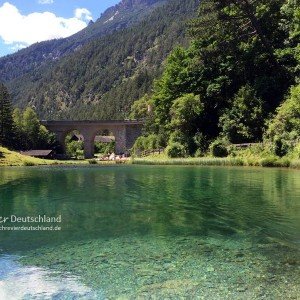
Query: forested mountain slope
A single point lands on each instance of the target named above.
(102, 78)
(120, 16)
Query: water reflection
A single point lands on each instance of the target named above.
(39, 283)
(114, 201)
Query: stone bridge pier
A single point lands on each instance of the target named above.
(125, 133)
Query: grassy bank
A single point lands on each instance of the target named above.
(162, 159)
(12, 158)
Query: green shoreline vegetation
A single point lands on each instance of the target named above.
(12, 158)
(237, 83)
(214, 161)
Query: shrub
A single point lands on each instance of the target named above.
(199, 153)
(295, 153)
(270, 161)
(232, 150)
(177, 137)
(175, 150)
(202, 142)
(92, 162)
(139, 145)
(151, 142)
(27, 163)
(285, 162)
(281, 147)
(218, 148)
(295, 164)
(252, 161)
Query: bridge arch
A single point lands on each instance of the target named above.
(125, 133)
(104, 142)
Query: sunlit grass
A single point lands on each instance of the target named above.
(205, 161)
(295, 164)
(247, 160)
(12, 158)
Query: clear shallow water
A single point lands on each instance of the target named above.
(152, 233)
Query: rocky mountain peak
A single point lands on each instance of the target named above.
(128, 4)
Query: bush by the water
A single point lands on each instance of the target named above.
(218, 148)
(295, 153)
(281, 147)
(92, 162)
(27, 163)
(175, 150)
(273, 161)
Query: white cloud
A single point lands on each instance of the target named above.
(46, 1)
(83, 14)
(33, 281)
(20, 30)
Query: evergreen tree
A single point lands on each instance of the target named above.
(6, 119)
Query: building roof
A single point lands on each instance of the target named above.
(104, 139)
(37, 153)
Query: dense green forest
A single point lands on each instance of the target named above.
(237, 82)
(105, 76)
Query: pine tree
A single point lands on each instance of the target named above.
(6, 119)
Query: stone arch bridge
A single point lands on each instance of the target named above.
(125, 132)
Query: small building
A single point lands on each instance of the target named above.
(48, 154)
(77, 137)
(104, 138)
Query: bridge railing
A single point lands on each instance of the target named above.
(149, 152)
(246, 145)
(249, 145)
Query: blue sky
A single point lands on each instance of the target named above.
(24, 22)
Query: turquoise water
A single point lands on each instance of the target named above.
(154, 232)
